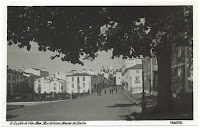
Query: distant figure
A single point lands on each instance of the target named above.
(112, 90)
(105, 91)
(97, 92)
(116, 90)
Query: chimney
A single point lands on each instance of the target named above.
(43, 69)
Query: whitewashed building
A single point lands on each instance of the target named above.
(130, 62)
(132, 75)
(49, 85)
(80, 82)
(118, 77)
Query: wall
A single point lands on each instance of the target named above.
(136, 80)
(82, 89)
(150, 68)
(13, 78)
(118, 78)
(54, 86)
(182, 70)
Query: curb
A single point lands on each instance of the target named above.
(130, 98)
(34, 103)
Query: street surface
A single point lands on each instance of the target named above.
(90, 108)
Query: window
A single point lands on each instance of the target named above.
(54, 88)
(83, 85)
(137, 79)
(72, 78)
(13, 77)
(17, 76)
(77, 79)
(72, 85)
(20, 77)
(8, 77)
(83, 78)
(179, 52)
(148, 65)
(54, 84)
(137, 71)
(13, 84)
(39, 81)
(8, 85)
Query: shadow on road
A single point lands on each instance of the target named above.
(121, 105)
(11, 107)
(9, 116)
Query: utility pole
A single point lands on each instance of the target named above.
(151, 68)
(143, 100)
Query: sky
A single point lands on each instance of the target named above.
(17, 58)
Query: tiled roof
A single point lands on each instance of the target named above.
(80, 74)
(35, 68)
(13, 71)
(39, 69)
(137, 66)
(31, 74)
(119, 70)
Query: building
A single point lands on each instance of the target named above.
(104, 78)
(181, 72)
(30, 78)
(13, 78)
(132, 78)
(37, 72)
(150, 68)
(112, 80)
(118, 77)
(80, 82)
(130, 62)
(49, 85)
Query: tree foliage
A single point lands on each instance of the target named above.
(22, 88)
(76, 31)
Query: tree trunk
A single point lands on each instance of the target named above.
(164, 103)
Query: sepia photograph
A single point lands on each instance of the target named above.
(100, 63)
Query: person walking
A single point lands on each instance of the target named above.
(105, 91)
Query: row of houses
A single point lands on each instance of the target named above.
(71, 82)
(130, 75)
(28, 76)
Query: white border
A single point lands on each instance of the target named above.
(3, 49)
